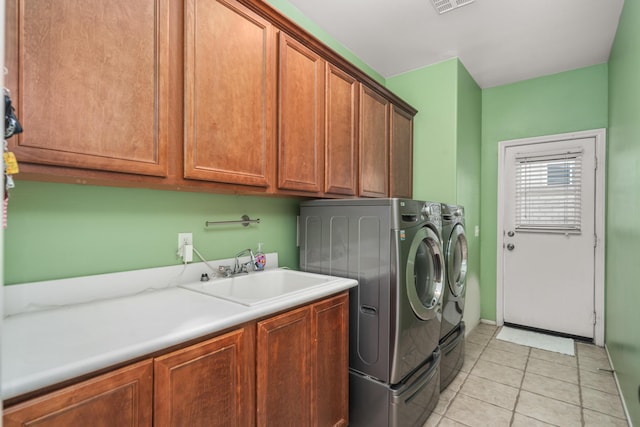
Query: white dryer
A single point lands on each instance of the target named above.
(393, 248)
(452, 327)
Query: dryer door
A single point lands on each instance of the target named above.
(456, 259)
(424, 278)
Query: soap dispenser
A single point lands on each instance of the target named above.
(261, 258)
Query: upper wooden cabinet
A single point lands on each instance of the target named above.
(301, 117)
(341, 121)
(401, 148)
(202, 95)
(90, 80)
(374, 143)
(230, 98)
(119, 398)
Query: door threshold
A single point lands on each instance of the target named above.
(549, 332)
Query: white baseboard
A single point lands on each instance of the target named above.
(615, 377)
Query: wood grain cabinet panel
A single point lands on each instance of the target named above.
(302, 366)
(301, 117)
(374, 143)
(122, 398)
(401, 148)
(230, 97)
(92, 83)
(207, 384)
(341, 122)
(203, 95)
(329, 362)
(283, 374)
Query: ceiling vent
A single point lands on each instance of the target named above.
(443, 6)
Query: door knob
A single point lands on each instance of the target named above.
(511, 246)
(511, 234)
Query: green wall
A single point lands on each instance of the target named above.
(565, 102)
(446, 164)
(469, 129)
(433, 92)
(623, 222)
(62, 230)
(293, 13)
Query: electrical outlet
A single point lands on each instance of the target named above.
(184, 239)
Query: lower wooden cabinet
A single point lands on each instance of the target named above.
(206, 384)
(283, 383)
(287, 370)
(329, 362)
(302, 366)
(121, 398)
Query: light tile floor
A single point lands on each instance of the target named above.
(506, 384)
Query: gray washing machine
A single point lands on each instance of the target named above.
(393, 248)
(452, 328)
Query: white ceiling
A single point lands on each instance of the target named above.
(498, 41)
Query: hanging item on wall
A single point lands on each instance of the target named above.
(11, 124)
(11, 127)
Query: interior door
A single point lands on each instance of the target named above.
(549, 236)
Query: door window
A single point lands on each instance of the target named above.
(548, 192)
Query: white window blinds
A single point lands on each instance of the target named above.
(548, 192)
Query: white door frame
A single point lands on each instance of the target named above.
(600, 208)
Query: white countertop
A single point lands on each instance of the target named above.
(42, 348)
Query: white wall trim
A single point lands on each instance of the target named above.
(600, 187)
(615, 377)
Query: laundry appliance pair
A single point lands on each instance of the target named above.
(393, 247)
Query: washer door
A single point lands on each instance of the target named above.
(425, 274)
(456, 259)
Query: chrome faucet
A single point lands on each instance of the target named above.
(243, 267)
(225, 271)
(239, 267)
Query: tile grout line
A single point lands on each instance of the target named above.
(575, 349)
(515, 404)
(531, 355)
(596, 389)
(466, 378)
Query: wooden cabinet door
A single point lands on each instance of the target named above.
(91, 85)
(301, 118)
(330, 362)
(401, 161)
(230, 97)
(341, 121)
(283, 374)
(374, 144)
(122, 398)
(207, 384)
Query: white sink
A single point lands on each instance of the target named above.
(261, 287)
